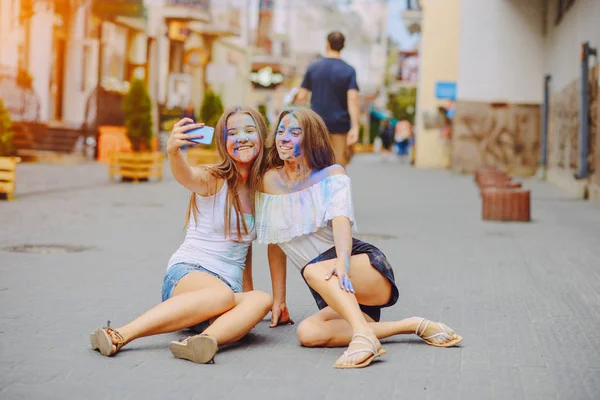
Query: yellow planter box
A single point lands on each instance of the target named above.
(359, 148)
(199, 156)
(136, 166)
(8, 175)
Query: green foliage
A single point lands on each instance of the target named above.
(403, 104)
(211, 109)
(137, 107)
(6, 133)
(262, 108)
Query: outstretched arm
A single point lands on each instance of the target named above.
(196, 179)
(277, 265)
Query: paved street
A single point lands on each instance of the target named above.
(526, 297)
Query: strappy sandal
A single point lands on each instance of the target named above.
(200, 349)
(372, 349)
(101, 340)
(451, 338)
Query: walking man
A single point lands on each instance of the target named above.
(334, 97)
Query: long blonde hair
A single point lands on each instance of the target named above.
(228, 171)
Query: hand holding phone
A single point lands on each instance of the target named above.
(207, 131)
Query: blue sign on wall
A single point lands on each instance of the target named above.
(445, 90)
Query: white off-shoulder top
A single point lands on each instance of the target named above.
(300, 222)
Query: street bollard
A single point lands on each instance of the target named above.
(506, 204)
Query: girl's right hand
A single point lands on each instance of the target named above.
(280, 315)
(178, 138)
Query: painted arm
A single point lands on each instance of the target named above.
(196, 179)
(277, 265)
(342, 237)
(354, 110)
(247, 283)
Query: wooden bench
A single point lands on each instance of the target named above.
(136, 166)
(8, 175)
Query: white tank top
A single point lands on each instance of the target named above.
(205, 243)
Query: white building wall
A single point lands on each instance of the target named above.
(40, 54)
(9, 33)
(81, 66)
(501, 52)
(562, 47)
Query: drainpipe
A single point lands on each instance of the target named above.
(545, 110)
(584, 114)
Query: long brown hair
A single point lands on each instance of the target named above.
(227, 170)
(316, 143)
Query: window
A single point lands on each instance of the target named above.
(562, 6)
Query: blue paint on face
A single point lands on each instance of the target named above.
(289, 138)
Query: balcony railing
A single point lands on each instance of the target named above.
(200, 4)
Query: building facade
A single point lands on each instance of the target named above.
(512, 74)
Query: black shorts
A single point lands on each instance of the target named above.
(378, 261)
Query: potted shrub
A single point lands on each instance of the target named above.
(143, 161)
(210, 112)
(8, 163)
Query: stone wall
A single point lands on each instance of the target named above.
(563, 137)
(506, 136)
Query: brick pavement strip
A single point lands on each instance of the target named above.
(526, 297)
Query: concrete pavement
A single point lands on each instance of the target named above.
(526, 297)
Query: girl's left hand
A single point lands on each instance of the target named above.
(341, 270)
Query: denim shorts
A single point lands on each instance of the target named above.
(178, 271)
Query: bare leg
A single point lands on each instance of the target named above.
(363, 277)
(197, 297)
(328, 329)
(250, 308)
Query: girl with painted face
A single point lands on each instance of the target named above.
(304, 212)
(208, 278)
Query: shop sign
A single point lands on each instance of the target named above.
(110, 9)
(266, 78)
(178, 31)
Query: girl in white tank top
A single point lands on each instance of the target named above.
(209, 277)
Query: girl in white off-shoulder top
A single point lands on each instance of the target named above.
(306, 215)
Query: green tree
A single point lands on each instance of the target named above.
(211, 109)
(403, 104)
(262, 108)
(137, 107)
(6, 133)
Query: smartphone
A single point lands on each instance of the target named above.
(207, 131)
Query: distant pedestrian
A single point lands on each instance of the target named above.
(334, 97)
(403, 138)
(387, 138)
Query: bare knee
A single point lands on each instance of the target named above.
(263, 300)
(223, 300)
(312, 273)
(309, 334)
